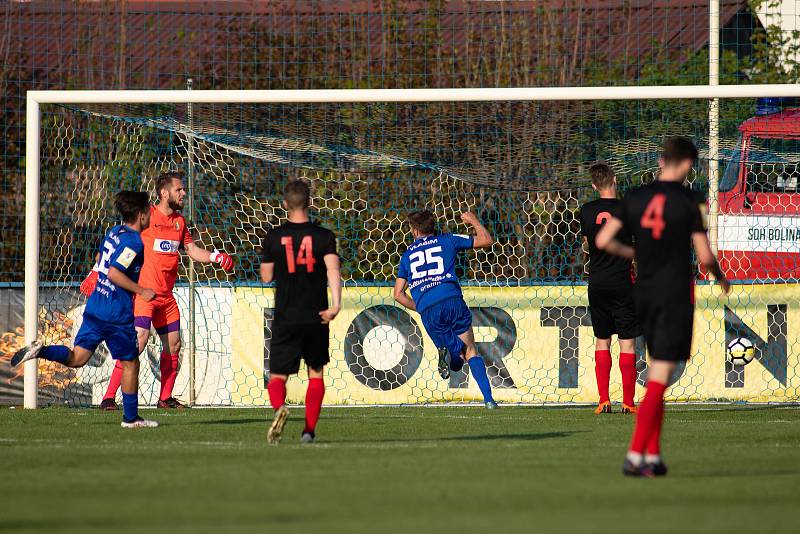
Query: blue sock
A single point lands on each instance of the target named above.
(130, 406)
(478, 369)
(55, 353)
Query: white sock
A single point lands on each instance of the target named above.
(652, 458)
(635, 457)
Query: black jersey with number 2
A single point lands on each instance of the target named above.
(662, 217)
(605, 270)
(301, 279)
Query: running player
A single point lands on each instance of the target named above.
(428, 269)
(665, 220)
(167, 235)
(108, 315)
(610, 293)
(301, 257)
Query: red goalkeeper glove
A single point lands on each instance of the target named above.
(88, 284)
(225, 261)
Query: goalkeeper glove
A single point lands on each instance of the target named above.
(225, 261)
(88, 284)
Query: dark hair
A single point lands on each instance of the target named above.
(130, 204)
(602, 175)
(165, 179)
(297, 195)
(678, 149)
(423, 221)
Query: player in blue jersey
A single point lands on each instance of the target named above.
(428, 270)
(108, 315)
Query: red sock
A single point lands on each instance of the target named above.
(647, 417)
(169, 372)
(602, 370)
(654, 443)
(277, 392)
(314, 396)
(114, 381)
(627, 367)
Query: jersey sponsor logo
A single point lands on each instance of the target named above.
(165, 245)
(126, 257)
(759, 233)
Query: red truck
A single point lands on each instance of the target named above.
(759, 200)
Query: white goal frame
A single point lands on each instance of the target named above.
(36, 98)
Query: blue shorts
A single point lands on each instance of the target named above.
(120, 338)
(445, 321)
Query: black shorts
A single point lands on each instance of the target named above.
(613, 312)
(667, 323)
(291, 342)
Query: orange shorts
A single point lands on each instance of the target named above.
(162, 312)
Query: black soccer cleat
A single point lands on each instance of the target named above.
(171, 404)
(629, 469)
(307, 438)
(658, 468)
(444, 365)
(109, 405)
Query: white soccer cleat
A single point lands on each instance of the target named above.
(139, 423)
(278, 422)
(27, 353)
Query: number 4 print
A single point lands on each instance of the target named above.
(305, 255)
(653, 216)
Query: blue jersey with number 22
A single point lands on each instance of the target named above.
(123, 249)
(429, 267)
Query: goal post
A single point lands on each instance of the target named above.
(36, 99)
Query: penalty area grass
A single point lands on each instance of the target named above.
(398, 469)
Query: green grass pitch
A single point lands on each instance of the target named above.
(402, 469)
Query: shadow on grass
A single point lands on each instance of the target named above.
(520, 436)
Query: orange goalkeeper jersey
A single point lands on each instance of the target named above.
(162, 242)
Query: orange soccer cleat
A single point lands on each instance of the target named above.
(603, 407)
(628, 409)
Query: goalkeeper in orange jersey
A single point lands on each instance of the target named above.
(163, 240)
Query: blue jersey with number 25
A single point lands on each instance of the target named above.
(429, 267)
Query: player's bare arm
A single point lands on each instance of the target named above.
(707, 258)
(607, 240)
(204, 256)
(482, 237)
(401, 296)
(267, 272)
(121, 280)
(335, 284)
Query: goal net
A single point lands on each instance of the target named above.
(520, 166)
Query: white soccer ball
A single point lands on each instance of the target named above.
(740, 351)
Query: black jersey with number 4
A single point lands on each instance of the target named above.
(605, 270)
(301, 279)
(662, 217)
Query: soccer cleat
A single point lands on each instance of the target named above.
(443, 365)
(307, 438)
(109, 405)
(139, 423)
(26, 353)
(603, 407)
(491, 405)
(171, 404)
(628, 409)
(629, 469)
(278, 422)
(659, 468)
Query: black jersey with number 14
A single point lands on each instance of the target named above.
(301, 280)
(662, 217)
(605, 270)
